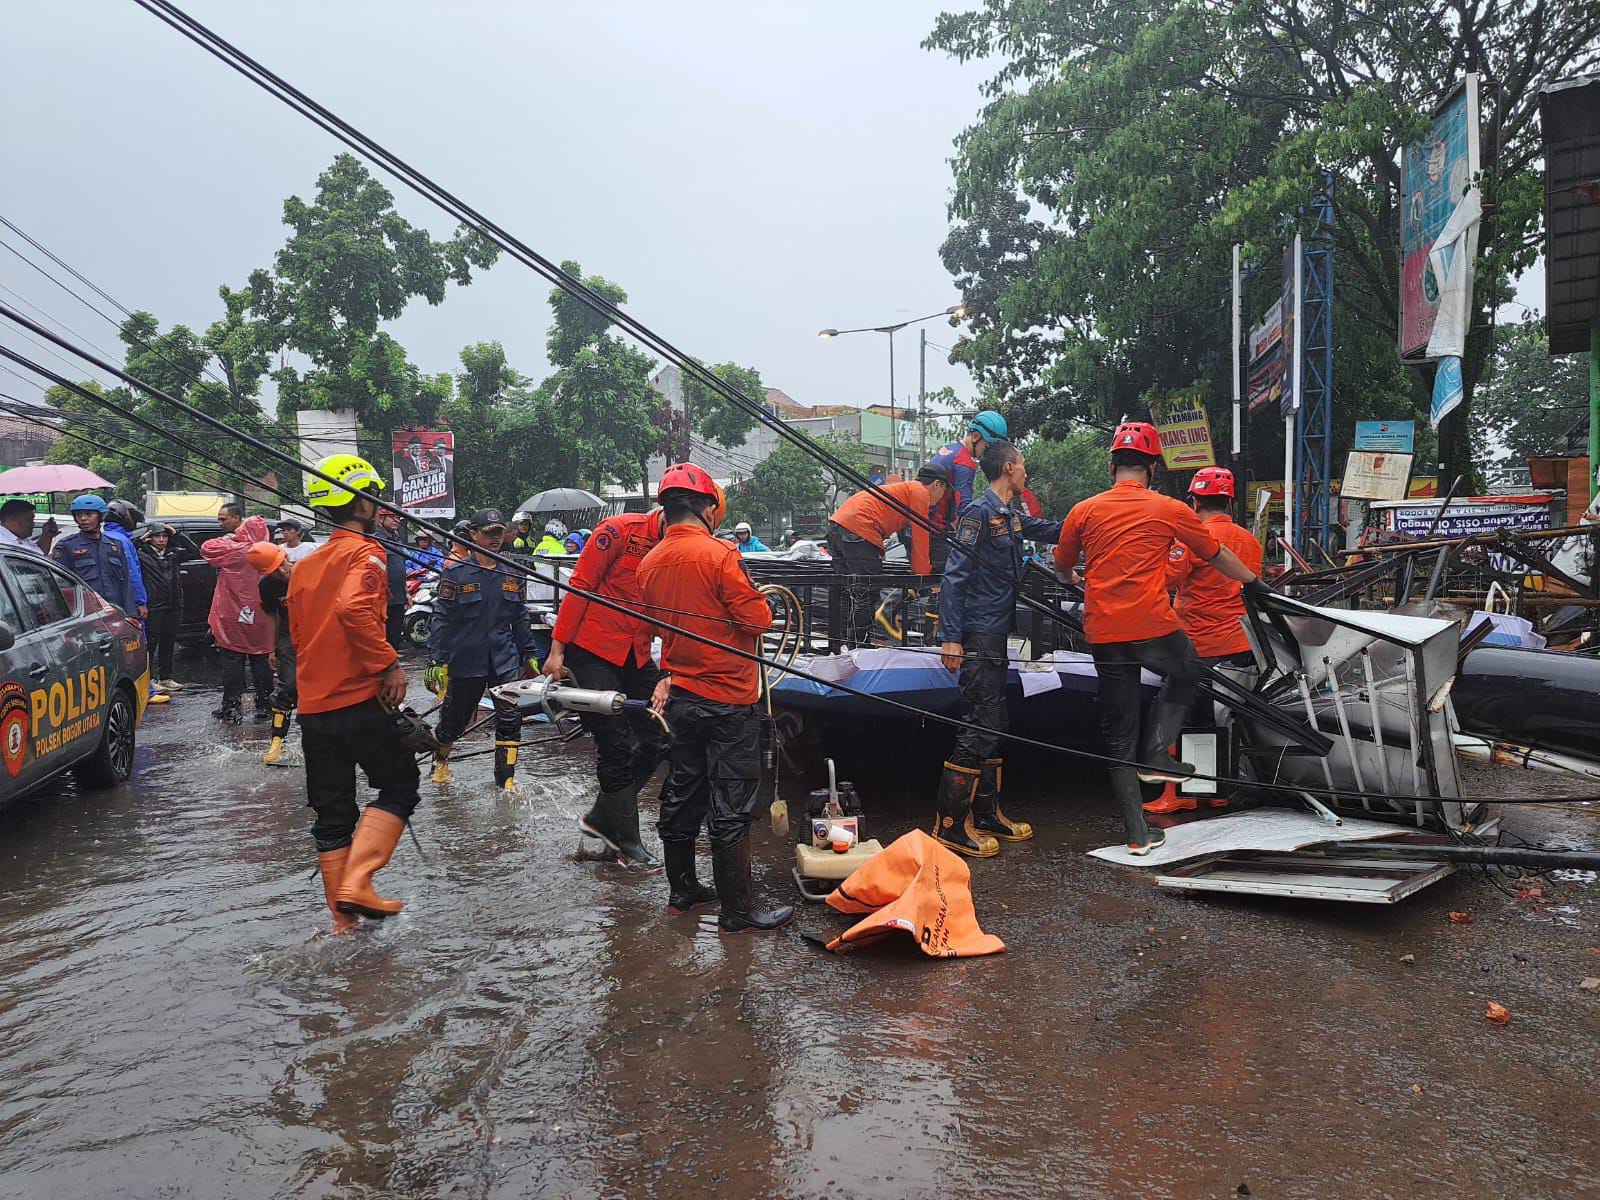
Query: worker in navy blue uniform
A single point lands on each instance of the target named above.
(977, 607)
(96, 559)
(480, 637)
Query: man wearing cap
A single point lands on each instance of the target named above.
(977, 608)
(393, 538)
(276, 567)
(859, 527)
(480, 637)
(294, 539)
(1125, 535)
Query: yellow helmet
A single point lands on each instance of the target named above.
(355, 473)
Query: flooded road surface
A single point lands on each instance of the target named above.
(176, 1021)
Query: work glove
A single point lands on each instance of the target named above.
(1257, 591)
(436, 678)
(530, 668)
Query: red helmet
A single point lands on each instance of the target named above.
(688, 478)
(1139, 436)
(1212, 481)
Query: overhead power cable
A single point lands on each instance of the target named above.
(1294, 790)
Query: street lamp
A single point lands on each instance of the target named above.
(958, 311)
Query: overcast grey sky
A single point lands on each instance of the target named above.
(749, 172)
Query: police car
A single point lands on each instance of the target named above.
(74, 677)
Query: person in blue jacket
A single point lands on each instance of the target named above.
(99, 561)
(746, 541)
(977, 607)
(480, 637)
(120, 520)
(423, 555)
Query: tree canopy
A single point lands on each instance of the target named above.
(1124, 148)
(1528, 401)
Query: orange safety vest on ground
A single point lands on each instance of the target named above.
(695, 581)
(1125, 535)
(873, 519)
(338, 601)
(915, 886)
(1208, 603)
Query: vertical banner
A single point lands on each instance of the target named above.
(1436, 176)
(424, 473)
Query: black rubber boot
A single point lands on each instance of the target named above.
(686, 892)
(614, 819)
(730, 866)
(505, 767)
(1164, 724)
(987, 815)
(952, 822)
(231, 712)
(1125, 790)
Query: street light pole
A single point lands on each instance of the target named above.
(922, 394)
(955, 310)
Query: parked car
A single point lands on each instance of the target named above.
(74, 677)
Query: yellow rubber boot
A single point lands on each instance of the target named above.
(280, 730)
(505, 767)
(441, 763)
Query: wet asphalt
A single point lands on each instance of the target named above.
(175, 1019)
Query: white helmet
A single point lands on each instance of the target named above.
(521, 515)
(742, 527)
(555, 529)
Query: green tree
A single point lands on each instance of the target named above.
(493, 418)
(790, 482)
(1528, 401)
(595, 409)
(350, 264)
(1124, 148)
(715, 418)
(1064, 470)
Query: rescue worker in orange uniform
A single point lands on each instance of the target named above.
(858, 528)
(350, 682)
(1125, 535)
(709, 699)
(610, 651)
(1210, 606)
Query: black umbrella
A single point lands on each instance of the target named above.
(560, 500)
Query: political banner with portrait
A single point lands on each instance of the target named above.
(424, 473)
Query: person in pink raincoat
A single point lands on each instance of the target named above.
(242, 632)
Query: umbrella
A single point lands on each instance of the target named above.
(555, 500)
(61, 477)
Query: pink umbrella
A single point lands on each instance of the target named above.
(61, 477)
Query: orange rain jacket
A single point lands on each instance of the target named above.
(691, 572)
(608, 565)
(873, 519)
(918, 887)
(338, 599)
(1209, 604)
(1125, 535)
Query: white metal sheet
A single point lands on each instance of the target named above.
(1259, 829)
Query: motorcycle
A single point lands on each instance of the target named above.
(419, 614)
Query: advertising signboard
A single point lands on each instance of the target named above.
(1376, 475)
(1185, 430)
(1435, 174)
(1398, 437)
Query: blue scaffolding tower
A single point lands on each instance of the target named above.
(1314, 420)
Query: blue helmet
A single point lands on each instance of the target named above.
(990, 424)
(88, 503)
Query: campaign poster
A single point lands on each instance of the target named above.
(1435, 174)
(424, 473)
